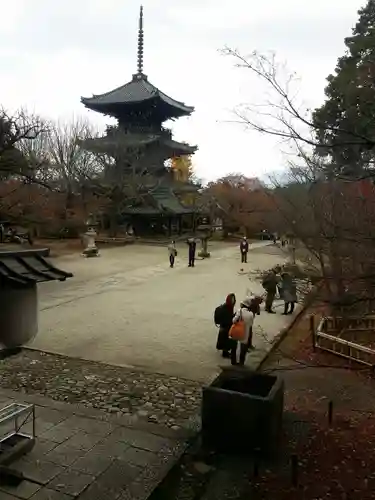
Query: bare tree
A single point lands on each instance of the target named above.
(71, 164)
(15, 131)
(17, 171)
(333, 219)
(280, 114)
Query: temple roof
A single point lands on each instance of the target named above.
(28, 267)
(111, 143)
(138, 91)
(166, 202)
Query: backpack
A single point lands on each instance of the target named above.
(218, 315)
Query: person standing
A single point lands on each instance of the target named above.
(192, 249)
(244, 248)
(270, 285)
(223, 319)
(172, 253)
(247, 316)
(2, 230)
(288, 293)
(255, 303)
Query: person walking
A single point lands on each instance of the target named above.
(172, 253)
(288, 293)
(270, 285)
(223, 319)
(244, 248)
(245, 315)
(192, 249)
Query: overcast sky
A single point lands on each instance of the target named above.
(52, 52)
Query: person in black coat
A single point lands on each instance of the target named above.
(224, 322)
(244, 248)
(192, 249)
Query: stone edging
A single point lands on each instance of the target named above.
(281, 336)
(123, 421)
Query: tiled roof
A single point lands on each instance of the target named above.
(136, 91)
(106, 144)
(141, 211)
(179, 148)
(110, 143)
(168, 201)
(25, 267)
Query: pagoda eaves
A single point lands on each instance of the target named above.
(112, 144)
(136, 93)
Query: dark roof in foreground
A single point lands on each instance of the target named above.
(28, 267)
(138, 90)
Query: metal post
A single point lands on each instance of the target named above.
(34, 421)
(330, 412)
(256, 463)
(312, 331)
(294, 470)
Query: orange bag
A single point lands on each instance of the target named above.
(237, 330)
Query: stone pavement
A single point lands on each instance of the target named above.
(128, 308)
(86, 454)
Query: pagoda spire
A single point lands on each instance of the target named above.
(140, 42)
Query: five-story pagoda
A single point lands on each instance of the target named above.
(139, 145)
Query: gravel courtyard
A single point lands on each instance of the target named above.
(128, 308)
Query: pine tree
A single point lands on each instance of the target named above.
(346, 121)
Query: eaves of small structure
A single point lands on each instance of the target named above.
(28, 267)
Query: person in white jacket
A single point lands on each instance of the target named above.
(247, 316)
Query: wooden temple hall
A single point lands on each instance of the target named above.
(140, 146)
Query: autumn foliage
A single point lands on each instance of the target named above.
(244, 204)
(47, 182)
(44, 210)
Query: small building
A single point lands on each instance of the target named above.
(20, 273)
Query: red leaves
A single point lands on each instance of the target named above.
(333, 462)
(245, 203)
(32, 202)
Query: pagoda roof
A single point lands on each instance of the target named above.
(179, 148)
(112, 142)
(138, 91)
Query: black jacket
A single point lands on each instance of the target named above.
(226, 316)
(244, 246)
(192, 247)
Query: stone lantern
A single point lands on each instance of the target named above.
(20, 273)
(90, 235)
(205, 232)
